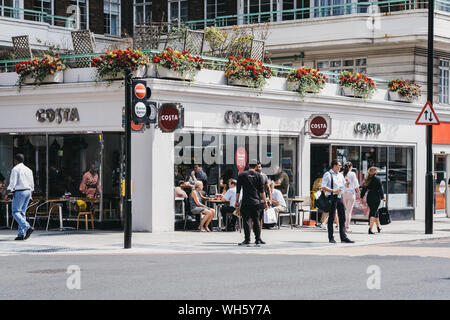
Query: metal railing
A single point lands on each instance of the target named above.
(38, 16)
(212, 63)
(318, 11)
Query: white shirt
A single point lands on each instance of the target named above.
(338, 182)
(230, 195)
(354, 184)
(278, 196)
(21, 178)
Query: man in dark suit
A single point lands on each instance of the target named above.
(252, 183)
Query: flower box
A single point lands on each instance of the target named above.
(57, 77)
(211, 77)
(165, 73)
(349, 92)
(140, 72)
(151, 71)
(79, 75)
(8, 78)
(292, 86)
(395, 96)
(237, 82)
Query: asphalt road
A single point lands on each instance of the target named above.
(229, 276)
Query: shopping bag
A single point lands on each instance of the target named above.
(384, 216)
(270, 216)
(237, 212)
(323, 203)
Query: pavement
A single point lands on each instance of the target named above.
(303, 240)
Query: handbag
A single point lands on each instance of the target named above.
(270, 216)
(237, 212)
(384, 216)
(323, 202)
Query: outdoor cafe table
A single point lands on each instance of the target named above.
(297, 202)
(6, 202)
(68, 200)
(218, 203)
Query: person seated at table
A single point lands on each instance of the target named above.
(2, 184)
(227, 210)
(282, 179)
(179, 192)
(90, 184)
(197, 207)
(278, 202)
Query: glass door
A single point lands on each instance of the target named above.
(440, 184)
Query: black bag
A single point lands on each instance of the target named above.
(323, 202)
(384, 216)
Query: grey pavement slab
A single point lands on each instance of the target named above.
(285, 239)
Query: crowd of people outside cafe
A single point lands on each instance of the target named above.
(339, 183)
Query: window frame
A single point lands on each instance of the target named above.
(144, 5)
(355, 68)
(444, 98)
(178, 17)
(52, 8)
(119, 24)
(87, 13)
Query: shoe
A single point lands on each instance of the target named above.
(379, 230)
(19, 238)
(28, 234)
(347, 240)
(259, 242)
(370, 232)
(332, 241)
(244, 243)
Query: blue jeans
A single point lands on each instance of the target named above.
(19, 208)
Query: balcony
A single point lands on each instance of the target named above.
(42, 28)
(343, 25)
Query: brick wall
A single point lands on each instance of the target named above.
(96, 17)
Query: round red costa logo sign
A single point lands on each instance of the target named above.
(241, 158)
(169, 117)
(140, 91)
(318, 126)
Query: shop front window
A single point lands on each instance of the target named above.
(400, 178)
(59, 161)
(440, 183)
(224, 156)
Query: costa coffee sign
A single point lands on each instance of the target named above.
(318, 126)
(170, 117)
(58, 115)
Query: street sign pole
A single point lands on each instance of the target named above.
(429, 176)
(127, 202)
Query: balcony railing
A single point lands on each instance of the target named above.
(319, 11)
(212, 63)
(38, 16)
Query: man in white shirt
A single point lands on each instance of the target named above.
(334, 193)
(278, 202)
(22, 184)
(226, 211)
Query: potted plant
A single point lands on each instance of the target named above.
(403, 91)
(304, 80)
(112, 65)
(357, 85)
(247, 72)
(40, 70)
(174, 64)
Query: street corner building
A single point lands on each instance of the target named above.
(63, 128)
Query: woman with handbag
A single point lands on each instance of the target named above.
(375, 194)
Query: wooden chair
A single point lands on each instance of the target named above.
(86, 214)
(83, 43)
(22, 49)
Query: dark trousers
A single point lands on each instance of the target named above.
(251, 215)
(336, 203)
(227, 213)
